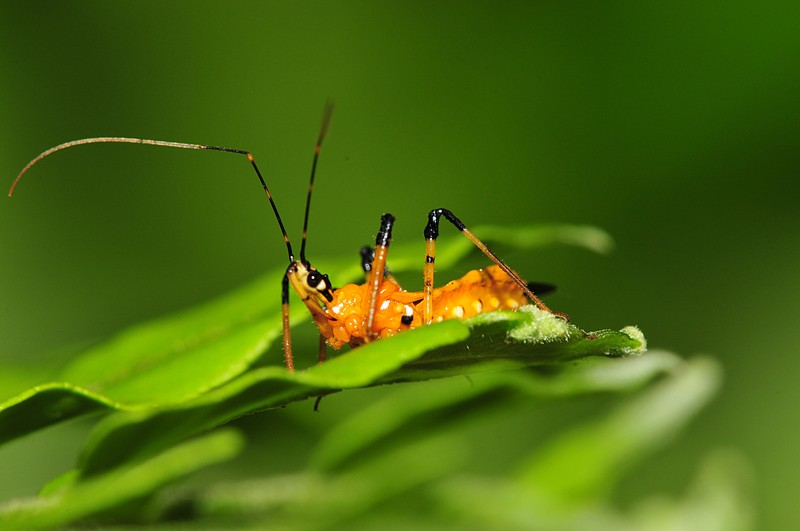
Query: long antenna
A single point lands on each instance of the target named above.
(323, 130)
(180, 145)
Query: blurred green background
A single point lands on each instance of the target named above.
(675, 127)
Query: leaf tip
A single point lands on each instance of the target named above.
(637, 336)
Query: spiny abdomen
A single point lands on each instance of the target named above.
(478, 291)
(482, 290)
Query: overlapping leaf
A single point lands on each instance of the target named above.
(173, 378)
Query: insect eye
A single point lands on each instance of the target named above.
(313, 279)
(317, 281)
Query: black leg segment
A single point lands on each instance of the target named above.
(432, 228)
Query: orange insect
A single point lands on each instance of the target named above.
(356, 314)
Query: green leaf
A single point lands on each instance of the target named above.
(565, 482)
(444, 349)
(127, 483)
(345, 442)
(180, 358)
(410, 449)
(584, 462)
(720, 498)
(315, 501)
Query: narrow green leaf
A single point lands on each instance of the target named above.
(208, 345)
(583, 463)
(43, 405)
(124, 484)
(566, 482)
(313, 501)
(719, 499)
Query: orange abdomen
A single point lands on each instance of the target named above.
(478, 291)
(482, 290)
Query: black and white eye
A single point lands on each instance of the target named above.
(313, 279)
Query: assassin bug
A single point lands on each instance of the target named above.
(358, 314)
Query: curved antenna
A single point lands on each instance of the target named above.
(180, 145)
(323, 130)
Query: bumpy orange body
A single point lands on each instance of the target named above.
(478, 291)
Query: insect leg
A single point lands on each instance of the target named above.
(367, 254)
(432, 232)
(323, 349)
(287, 332)
(378, 269)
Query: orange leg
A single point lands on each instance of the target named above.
(376, 273)
(323, 349)
(287, 333)
(367, 257)
(432, 232)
